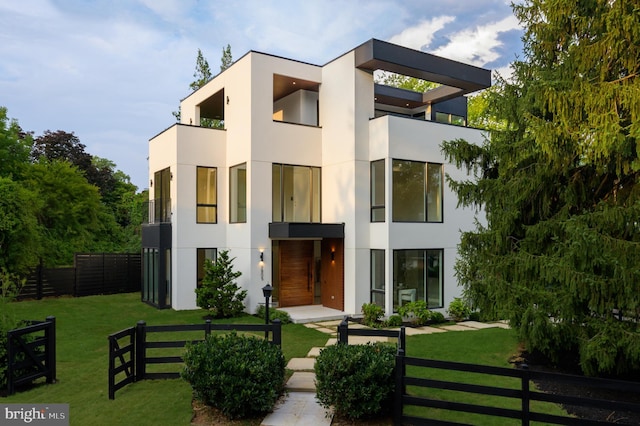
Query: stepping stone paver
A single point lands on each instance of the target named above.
(314, 352)
(326, 330)
(300, 364)
(456, 327)
(302, 381)
(479, 325)
(311, 325)
(298, 408)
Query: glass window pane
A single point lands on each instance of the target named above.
(434, 279)
(377, 277)
(276, 192)
(377, 191)
(203, 254)
(434, 192)
(315, 202)
(408, 276)
(206, 195)
(238, 193)
(408, 191)
(298, 191)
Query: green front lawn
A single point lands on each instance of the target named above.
(83, 325)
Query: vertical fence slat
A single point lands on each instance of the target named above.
(343, 331)
(141, 353)
(276, 335)
(50, 349)
(399, 392)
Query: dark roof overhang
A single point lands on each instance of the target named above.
(287, 230)
(456, 78)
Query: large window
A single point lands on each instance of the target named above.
(417, 191)
(377, 277)
(295, 193)
(238, 193)
(204, 255)
(377, 191)
(161, 196)
(417, 275)
(206, 198)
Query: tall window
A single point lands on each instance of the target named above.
(238, 193)
(295, 193)
(204, 255)
(377, 191)
(161, 196)
(417, 275)
(417, 191)
(377, 277)
(206, 197)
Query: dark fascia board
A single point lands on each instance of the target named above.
(380, 55)
(286, 230)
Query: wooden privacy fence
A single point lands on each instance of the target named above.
(31, 355)
(416, 387)
(92, 274)
(128, 348)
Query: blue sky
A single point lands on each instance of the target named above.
(112, 71)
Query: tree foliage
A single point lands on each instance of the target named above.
(219, 291)
(15, 146)
(558, 253)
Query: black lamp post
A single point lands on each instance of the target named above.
(266, 291)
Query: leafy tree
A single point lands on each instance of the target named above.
(227, 59)
(15, 146)
(68, 210)
(202, 73)
(558, 254)
(19, 230)
(219, 292)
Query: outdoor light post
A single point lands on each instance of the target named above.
(266, 291)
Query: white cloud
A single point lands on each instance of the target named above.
(477, 46)
(420, 36)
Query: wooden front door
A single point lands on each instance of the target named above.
(296, 273)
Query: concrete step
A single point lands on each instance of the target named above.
(301, 381)
(301, 364)
(298, 409)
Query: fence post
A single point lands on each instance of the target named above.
(141, 353)
(402, 339)
(10, 355)
(50, 334)
(399, 388)
(525, 395)
(276, 336)
(343, 331)
(207, 328)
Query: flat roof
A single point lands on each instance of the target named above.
(456, 78)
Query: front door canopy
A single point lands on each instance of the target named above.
(456, 78)
(288, 230)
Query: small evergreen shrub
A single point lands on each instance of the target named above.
(219, 292)
(372, 314)
(240, 375)
(437, 317)
(416, 311)
(284, 317)
(394, 321)
(356, 380)
(458, 309)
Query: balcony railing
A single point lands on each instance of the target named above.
(159, 211)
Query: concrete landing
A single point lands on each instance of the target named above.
(301, 364)
(302, 381)
(298, 409)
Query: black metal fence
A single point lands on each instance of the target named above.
(418, 388)
(128, 349)
(31, 353)
(92, 274)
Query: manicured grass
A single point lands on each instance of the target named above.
(492, 347)
(82, 327)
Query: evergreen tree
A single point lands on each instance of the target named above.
(558, 253)
(219, 292)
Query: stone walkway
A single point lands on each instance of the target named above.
(299, 407)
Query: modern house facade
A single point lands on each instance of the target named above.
(317, 180)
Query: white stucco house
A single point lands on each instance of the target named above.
(317, 180)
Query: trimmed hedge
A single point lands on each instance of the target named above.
(241, 376)
(356, 380)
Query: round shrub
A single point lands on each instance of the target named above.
(239, 375)
(356, 380)
(437, 317)
(458, 309)
(284, 317)
(372, 314)
(394, 321)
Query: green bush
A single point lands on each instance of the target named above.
(240, 375)
(458, 309)
(416, 311)
(284, 317)
(356, 380)
(372, 314)
(437, 317)
(394, 321)
(219, 292)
